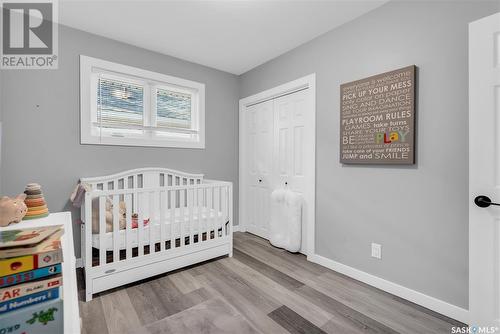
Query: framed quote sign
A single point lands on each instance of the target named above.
(377, 119)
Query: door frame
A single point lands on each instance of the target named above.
(307, 82)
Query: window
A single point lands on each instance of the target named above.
(123, 105)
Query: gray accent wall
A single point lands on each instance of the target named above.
(418, 213)
(41, 112)
(1, 126)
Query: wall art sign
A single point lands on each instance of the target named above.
(377, 119)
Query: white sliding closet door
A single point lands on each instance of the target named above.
(291, 133)
(259, 166)
(277, 152)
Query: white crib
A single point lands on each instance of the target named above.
(169, 219)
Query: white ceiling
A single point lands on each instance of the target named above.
(233, 36)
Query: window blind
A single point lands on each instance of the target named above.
(173, 109)
(120, 104)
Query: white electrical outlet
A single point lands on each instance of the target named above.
(376, 250)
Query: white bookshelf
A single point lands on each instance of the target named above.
(69, 288)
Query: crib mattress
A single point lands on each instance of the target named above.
(210, 220)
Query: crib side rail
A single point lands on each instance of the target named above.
(140, 222)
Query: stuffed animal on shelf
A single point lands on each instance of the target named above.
(12, 210)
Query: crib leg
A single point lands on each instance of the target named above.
(88, 288)
(82, 244)
(231, 246)
(88, 296)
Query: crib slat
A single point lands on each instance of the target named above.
(135, 199)
(116, 229)
(223, 210)
(152, 220)
(209, 211)
(204, 203)
(172, 219)
(196, 228)
(128, 220)
(140, 223)
(88, 230)
(190, 222)
(199, 198)
(102, 230)
(182, 217)
(163, 203)
(216, 211)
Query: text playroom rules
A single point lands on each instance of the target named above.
(377, 119)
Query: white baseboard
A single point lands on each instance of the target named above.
(416, 297)
(236, 228)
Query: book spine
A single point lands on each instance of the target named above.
(29, 288)
(29, 300)
(30, 275)
(15, 265)
(49, 258)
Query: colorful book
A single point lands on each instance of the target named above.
(51, 254)
(30, 275)
(52, 241)
(29, 288)
(25, 237)
(29, 300)
(45, 318)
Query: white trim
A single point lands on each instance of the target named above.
(236, 228)
(79, 262)
(308, 82)
(416, 297)
(153, 80)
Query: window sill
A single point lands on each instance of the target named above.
(121, 141)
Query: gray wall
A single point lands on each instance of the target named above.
(41, 139)
(2, 126)
(1, 132)
(418, 213)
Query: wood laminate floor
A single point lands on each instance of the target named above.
(261, 289)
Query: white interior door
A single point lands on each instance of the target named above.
(291, 133)
(258, 167)
(484, 171)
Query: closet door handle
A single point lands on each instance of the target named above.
(260, 180)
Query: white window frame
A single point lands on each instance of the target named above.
(88, 104)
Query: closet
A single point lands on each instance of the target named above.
(276, 151)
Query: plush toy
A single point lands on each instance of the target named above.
(108, 215)
(12, 210)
